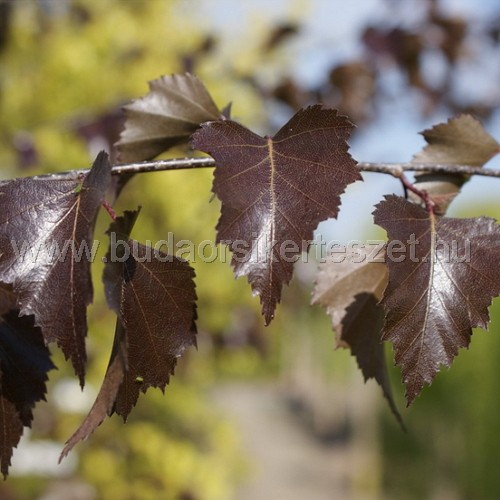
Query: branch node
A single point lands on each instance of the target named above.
(430, 204)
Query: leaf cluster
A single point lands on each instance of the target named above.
(274, 191)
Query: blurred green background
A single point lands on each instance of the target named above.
(255, 412)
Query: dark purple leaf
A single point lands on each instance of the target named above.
(8, 299)
(439, 288)
(158, 312)
(24, 363)
(459, 141)
(173, 109)
(11, 428)
(46, 231)
(275, 191)
(120, 230)
(103, 406)
(105, 401)
(154, 297)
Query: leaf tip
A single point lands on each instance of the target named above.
(64, 453)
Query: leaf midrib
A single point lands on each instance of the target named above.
(272, 193)
(432, 250)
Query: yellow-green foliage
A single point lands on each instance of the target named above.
(58, 70)
(190, 450)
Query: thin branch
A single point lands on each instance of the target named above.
(394, 169)
(160, 165)
(138, 168)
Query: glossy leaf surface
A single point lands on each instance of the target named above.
(275, 190)
(173, 109)
(440, 287)
(154, 297)
(46, 237)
